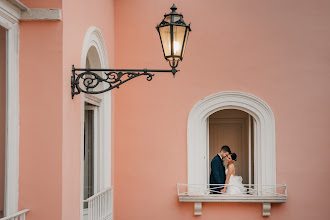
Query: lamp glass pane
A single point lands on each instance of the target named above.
(176, 18)
(178, 37)
(185, 42)
(168, 18)
(165, 35)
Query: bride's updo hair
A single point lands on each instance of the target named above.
(233, 156)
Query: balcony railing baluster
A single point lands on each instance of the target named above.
(17, 216)
(100, 205)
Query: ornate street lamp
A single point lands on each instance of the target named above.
(173, 32)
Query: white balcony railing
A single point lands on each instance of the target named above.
(240, 190)
(245, 193)
(100, 205)
(17, 216)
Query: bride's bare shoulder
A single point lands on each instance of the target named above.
(231, 166)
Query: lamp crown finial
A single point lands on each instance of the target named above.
(173, 8)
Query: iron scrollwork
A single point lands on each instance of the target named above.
(87, 81)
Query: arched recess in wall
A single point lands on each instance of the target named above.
(197, 134)
(94, 51)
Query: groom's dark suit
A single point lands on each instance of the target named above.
(218, 174)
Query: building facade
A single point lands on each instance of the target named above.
(255, 77)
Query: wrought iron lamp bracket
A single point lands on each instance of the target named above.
(112, 78)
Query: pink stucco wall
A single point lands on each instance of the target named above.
(40, 150)
(275, 50)
(78, 16)
(42, 3)
(2, 115)
(49, 181)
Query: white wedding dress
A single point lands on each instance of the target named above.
(235, 185)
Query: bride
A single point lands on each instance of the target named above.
(235, 186)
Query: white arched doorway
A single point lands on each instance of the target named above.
(264, 143)
(96, 123)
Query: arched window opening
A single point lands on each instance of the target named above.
(92, 134)
(264, 172)
(233, 128)
(218, 120)
(95, 138)
(93, 60)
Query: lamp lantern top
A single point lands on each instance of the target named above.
(173, 33)
(173, 8)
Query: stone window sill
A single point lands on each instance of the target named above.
(266, 199)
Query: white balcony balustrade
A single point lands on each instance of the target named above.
(252, 193)
(100, 205)
(17, 216)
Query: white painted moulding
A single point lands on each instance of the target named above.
(198, 208)
(94, 38)
(41, 14)
(265, 148)
(197, 147)
(237, 199)
(266, 209)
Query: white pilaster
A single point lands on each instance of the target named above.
(12, 122)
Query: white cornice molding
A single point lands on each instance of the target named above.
(9, 14)
(15, 10)
(41, 14)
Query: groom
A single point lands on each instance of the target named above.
(218, 174)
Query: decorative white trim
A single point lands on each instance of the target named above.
(252, 194)
(266, 207)
(93, 100)
(9, 20)
(236, 198)
(197, 208)
(198, 201)
(41, 14)
(14, 10)
(94, 38)
(12, 121)
(198, 160)
(9, 14)
(17, 216)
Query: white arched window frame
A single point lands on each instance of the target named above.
(197, 134)
(94, 38)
